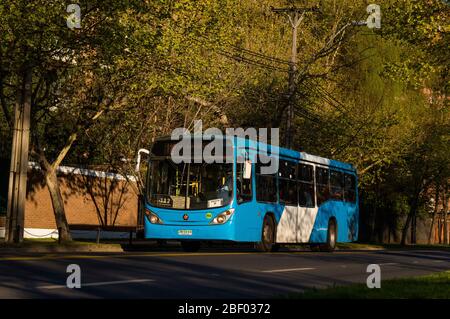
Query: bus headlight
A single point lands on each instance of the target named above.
(222, 218)
(152, 217)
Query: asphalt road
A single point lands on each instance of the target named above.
(207, 274)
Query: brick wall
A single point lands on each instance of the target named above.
(79, 204)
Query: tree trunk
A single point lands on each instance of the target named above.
(412, 214)
(51, 180)
(17, 188)
(58, 205)
(372, 222)
(405, 229)
(445, 215)
(436, 207)
(413, 228)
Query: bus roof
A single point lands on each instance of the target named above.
(288, 153)
(247, 143)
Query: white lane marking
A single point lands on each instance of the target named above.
(287, 270)
(439, 261)
(102, 283)
(389, 264)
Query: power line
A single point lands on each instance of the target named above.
(242, 58)
(260, 55)
(238, 54)
(322, 93)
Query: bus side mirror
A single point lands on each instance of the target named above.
(247, 169)
(138, 159)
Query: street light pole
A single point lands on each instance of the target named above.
(295, 16)
(295, 22)
(19, 162)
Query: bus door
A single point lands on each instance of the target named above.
(307, 210)
(287, 228)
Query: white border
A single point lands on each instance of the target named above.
(86, 172)
(36, 233)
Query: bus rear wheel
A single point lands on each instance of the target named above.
(267, 235)
(330, 246)
(190, 246)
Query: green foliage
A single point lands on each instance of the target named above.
(434, 286)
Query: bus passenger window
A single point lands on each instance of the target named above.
(336, 185)
(287, 182)
(322, 185)
(266, 186)
(349, 188)
(306, 185)
(243, 185)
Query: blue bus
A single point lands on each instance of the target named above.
(307, 200)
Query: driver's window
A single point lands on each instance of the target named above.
(243, 185)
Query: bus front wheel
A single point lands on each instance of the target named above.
(267, 235)
(190, 246)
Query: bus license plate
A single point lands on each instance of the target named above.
(185, 232)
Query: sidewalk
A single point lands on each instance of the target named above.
(120, 246)
(53, 247)
(85, 246)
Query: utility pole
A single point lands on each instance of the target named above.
(19, 162)
(295, 16)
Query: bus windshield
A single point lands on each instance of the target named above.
(189, 185)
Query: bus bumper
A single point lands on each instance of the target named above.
(190, 232)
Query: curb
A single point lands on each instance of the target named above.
(360, 249)
(99, 248)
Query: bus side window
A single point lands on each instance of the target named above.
(336, 185)
(266, 186)
(322, 185)
(349, 188)
(287, 176)
(305, 183)
(243, 185)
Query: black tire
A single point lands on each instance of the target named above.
(330, 246)
(267, 235)
(190, 246)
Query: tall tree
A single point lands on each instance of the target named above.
(124, 52)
